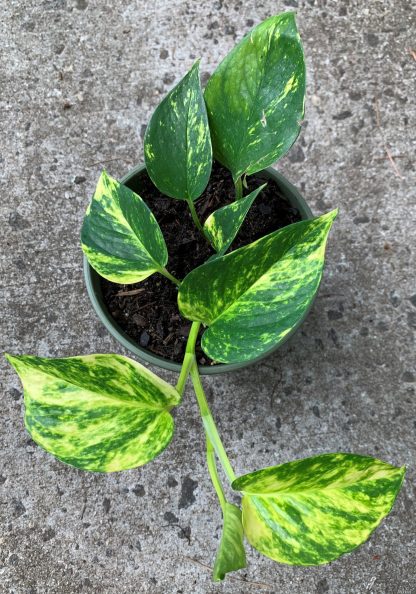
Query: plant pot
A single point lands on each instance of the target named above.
(93, 282)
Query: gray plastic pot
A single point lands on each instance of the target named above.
(93, 283)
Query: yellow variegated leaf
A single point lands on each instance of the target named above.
(120, 236)
(255, 98)
(222, 226)
(311, 511)
(98, 412)
(252, 298)
(177, 144)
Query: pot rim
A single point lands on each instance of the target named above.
(92, 280)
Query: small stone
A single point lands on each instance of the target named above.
(205, 76)
(394, 299)
(16, 221)
(322, 586)
(106, 505)
(139, 490)
(144, 339)
(15, 394)
(187, 493)
(342, 115)
(296, 155)
(170, 518)
(316, 411)
(411, 319)
(19, 508)
(13, 559)
(361, 220)
(168, 78)
(372, 39)
(48, 534)
(408, 377)
(79, 179)
(163, 54)
(334, 315)
(172, 482)
(316, 101)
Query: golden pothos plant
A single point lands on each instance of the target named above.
(108, 413)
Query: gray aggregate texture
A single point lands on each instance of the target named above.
(79, 80)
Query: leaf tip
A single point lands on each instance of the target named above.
(10, 358)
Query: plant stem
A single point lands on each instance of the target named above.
(214, 443)
(213, 472)
(209, 424)
(195, 216)
(169, 276)
(189, 358)
(238, 188)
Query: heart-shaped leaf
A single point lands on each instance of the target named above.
(255, 98)
(177, 144)
(231, 555)
(311, 511)
(98, 412)
(253, 297)
(222, 225)
(120, 236)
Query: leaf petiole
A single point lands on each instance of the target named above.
(170, 276)
(238, 188)
(213, 472)
(189, 357)
(195, 217)
(214, 442)
(209, 424)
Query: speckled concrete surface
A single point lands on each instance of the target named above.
(79, 80)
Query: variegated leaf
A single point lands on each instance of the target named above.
(255, 98)
(252, 298)
(222, 226)
(177, 144)
(98, 412)
(311, 511)
(120, 236)
(231, 555)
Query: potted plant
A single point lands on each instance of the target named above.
(109, 413)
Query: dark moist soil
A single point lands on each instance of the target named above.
(148, 311)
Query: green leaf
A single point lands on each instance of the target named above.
(253, 297)
(98, 412)
(311, 511)
(177, 144)
(231, 555)
(222, 226)
(255, 98)
(120, 236)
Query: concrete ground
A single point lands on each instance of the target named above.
(79, 80)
